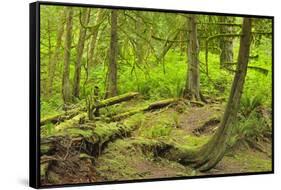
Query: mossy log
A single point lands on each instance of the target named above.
(115, 100)
(88, 139)
(73, 144)
(74, 112)
(78, 119)
(152, 106)
(61, 116)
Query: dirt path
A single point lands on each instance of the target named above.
(123, 161)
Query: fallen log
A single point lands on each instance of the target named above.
(152, 106)
(103, 103)
(115, 100)
(78, 119)
(60, 117)
(72, 144)
(98, 134)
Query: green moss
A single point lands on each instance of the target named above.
(194, 141)
(44, 148)
(78, 132)
(253, 162)
(43, 169)
(53, 177)
(157, 131)
(114, 163)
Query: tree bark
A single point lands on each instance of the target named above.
(226, 43)
(112, 68)
(95, 32)
(66, 91)
(192, 86)
(80, 47)
(55, 57)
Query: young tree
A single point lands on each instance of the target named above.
(66, 91)
(112, 67)
(80, 47)
(192, 85)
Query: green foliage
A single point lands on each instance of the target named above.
(253, 127)
(48, 130)
(157, 131)
(51, 106)
(250, 104)
(156, 83)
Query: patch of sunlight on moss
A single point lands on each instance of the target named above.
(78, 132)
(194, 141)
(188, 141)
(105, 130)
(156, 131)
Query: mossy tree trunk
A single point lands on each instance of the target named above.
(112, 67)
(213, 151)
(85, 16)
(226, 43)
(207, 156)
(56, 55)
(95, 33)
(66, 91)
(192, 86)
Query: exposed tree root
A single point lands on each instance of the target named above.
(211, 122)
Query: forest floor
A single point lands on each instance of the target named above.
(122, 161)
(190, 125)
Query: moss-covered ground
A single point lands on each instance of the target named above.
(123, 159)
(129, 153)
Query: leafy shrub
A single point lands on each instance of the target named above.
(249, 104)
(252, 128)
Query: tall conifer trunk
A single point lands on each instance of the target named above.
(192, 85)
(66, 91)
(112, 67)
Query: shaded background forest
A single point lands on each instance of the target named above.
(91, 57)
(151, 56)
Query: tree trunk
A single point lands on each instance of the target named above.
(112, 68)
(95, 32)
(210, 154)
(56, 56)
(80, 48)
(207, 156)
(192, 86)
(66, 91)
(46, 89)
(226, 43)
